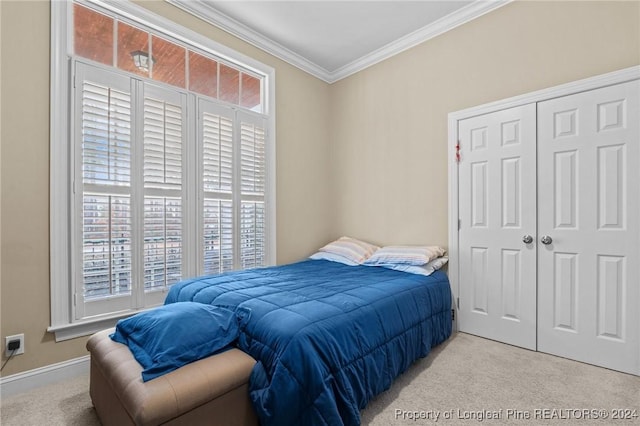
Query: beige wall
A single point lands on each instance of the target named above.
(389, 122)
(365, 156)
(302, 156)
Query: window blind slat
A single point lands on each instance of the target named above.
(163, 131)
(106, 245)
(252, 232)
(162, 242)
(252, 160)
(218, 236)
(106, 135)
(217, 153)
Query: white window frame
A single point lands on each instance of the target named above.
(61, 186)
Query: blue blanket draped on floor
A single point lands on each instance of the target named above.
(327, 337)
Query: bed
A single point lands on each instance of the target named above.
(327, 337)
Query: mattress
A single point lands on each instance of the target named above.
(327, 337)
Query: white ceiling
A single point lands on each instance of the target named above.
(334, 39)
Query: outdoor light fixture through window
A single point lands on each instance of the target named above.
(142, 59)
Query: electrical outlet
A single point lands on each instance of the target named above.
(19, 338)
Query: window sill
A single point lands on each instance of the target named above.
(89, 326)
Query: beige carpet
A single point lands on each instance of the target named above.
(467, 378)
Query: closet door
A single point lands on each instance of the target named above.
(588, 251)
(497, 208)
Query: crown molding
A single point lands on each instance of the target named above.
(441, 26)
(207, 13)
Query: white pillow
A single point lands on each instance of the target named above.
(426, 270)
(355, 250)
(321, 255)
(405, 255)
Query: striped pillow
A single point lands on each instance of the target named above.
(323, 255)
(426, 270)
(405, 255)
(355, 250)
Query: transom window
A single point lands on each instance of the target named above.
(112, 42)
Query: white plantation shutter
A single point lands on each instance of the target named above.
(218, 236)
(216, 135)
(106, 135)
(233, 164)
(252, 140)
(252, 234)
(162, 241)
(106, 253)
(163, 135)
(103, 195)
(217, 152)
(162, 144)
(252, 190)
(106, 162)
(151, 208)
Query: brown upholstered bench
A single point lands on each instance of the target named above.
(211, 391)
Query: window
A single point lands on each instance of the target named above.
(167, 165)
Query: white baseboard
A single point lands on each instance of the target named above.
(27, 380)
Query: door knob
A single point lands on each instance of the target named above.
(546, 240)
(527, 239)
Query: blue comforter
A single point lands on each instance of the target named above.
(327, 337)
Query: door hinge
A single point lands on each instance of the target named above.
(458, 302)
(459, 224)
(453, 315)
(75, 299)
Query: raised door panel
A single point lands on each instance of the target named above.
(588, 203)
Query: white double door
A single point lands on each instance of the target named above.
(549, 238)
